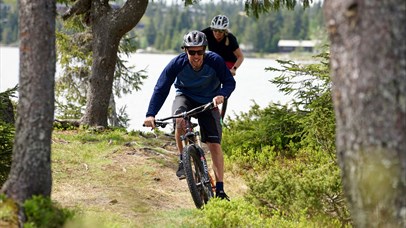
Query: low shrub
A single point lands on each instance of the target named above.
(8, 212)
(43, 212)
(254, 138)
(222, 213)
(242, 213)
(288, 154)
(310, 183)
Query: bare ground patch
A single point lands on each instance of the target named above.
(136, 183)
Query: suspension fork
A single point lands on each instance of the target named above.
(206, 169)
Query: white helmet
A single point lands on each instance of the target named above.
(219, 22)
(194, 39)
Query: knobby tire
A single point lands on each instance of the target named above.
(194, 172)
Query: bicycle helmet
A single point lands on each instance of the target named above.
(219, 22)
(194, 39)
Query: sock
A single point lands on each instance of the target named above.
(219, 187)
(180, 157)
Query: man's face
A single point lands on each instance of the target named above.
(195, 56)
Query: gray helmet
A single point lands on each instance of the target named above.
(194, 39)
(219, 22)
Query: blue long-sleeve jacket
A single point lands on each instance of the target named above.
(202, 86)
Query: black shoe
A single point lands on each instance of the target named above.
(181, 171)
(222, 195)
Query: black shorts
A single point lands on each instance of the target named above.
(209, 121)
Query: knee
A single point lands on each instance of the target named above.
(214, 147)
(180, 123)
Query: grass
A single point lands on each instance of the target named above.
(119, 179)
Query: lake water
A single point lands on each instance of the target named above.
(252, 84)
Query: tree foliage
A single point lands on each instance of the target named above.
(310, 86)
(8, 22)
(255, 35)
(75, 57)
(103, 28)
(7, 133)
(162, 26)
(256, 8)
(308, 121)
(290, 148)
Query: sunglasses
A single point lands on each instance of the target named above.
(218, 30)
(199, 52)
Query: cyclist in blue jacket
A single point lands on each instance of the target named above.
(199, 77)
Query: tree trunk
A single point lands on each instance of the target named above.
(368, 63)
(31, 166)
(105, 47)
(108, 27)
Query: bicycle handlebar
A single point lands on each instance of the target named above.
(191, 112)
(186, 114)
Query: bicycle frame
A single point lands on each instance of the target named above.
(190, 135)
(192, 144)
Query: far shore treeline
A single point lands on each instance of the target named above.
(163, 25)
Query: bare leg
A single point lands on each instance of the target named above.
(218, 160)
(179, 131)
(180, 173)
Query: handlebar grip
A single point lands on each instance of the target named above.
(159, 124)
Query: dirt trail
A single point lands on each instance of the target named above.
(134, 182)
(138, 180)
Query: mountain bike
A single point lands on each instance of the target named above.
(201, 184)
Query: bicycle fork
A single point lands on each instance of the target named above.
(207, 176)
(194, 137)
(204, 162)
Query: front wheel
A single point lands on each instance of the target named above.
(197, 180)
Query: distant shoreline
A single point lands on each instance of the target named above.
(296, 56)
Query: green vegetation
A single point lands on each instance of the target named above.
(75, 59)
(161, 30)
(8, 212)
(6, 134)
(163, 26)
(284, 155)
(8, 22)
(42, 212)
(288, 153)
(6, 148)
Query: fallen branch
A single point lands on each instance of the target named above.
(66, 124)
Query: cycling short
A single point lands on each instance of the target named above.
(230, 65)
(209, 121)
